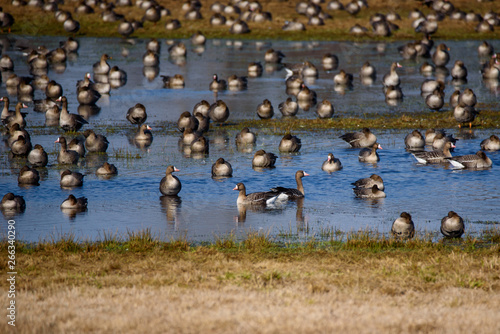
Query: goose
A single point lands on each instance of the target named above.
(441, 138)
(414, 140)
(258, 198)
(88, 95)
(202, 107)
(474, 161)
(367, 70)
(217, 84)
(263, 159)
(71, 25)
(343, 78)
(106, 169)
(236, 83)
(485, 49)
(14, 132)
(325, 109)
(293, 193)
(198, 38)
(273, 56)
(222, 168)
(78, 146)
(329, 61)
(11, 202)
(95, 142)
(294, 82)
(6, 20)
(491, 70)
(53, 90)
(491, 144)
(117, 76)
(172, 24)
(38, 157)
(203, 122)
(254, 69)
(218, 112)
(373, 192)
(21, 146)
(435, 101)
(170, 185)
(73, 203)
(200, 145)
(454, 99)
(245, 137)
(369, 154)
(150, 59)
(306, 94)
(392, 78)
(369, 182)
(427, 69)
(66, 156)
(265, 110)
(464, 114)
(365, 138)
(6, 63)
(436, 156)
(468, 98)
(28, 176)
(331, 164)
(175, 82)
(459, 71)
(137, 114)
(289, 144)
(403, 226)
(393, 93)
(17, 118)
(102, 66)
(452, 225)
(144, 135)
(57, 56)
(187, 121)
(67, 121)
(441, 57)
(70, 45)
(289, 107)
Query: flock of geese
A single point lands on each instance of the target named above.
(194, 125)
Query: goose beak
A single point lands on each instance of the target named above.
(24, 106)
(305, 174)
(176, 170)
(57, 141)
(59, 98)
(399, 65)
(148, 127)
(453, 145)
(235, 188)
(379, 147)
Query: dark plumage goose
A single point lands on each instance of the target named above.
(373, 192)
(265, 110)
(107, 169)
(21, 146)
(66, 156)
(17, 118)
(474, 161)
(6, 20)
(491, 71)
(218, 112)
(198, 38)
(170, 185)
(365, 138)
(217, 84)
(172, 24)
(325, 109)
(343, 78)
(414, 140)
(403, 227)
(452, 225)
(102, 66)
(78, 146)
(95, 142)
(427, 69)
(263, 159)
(369, 182)
(125, 28)
(28, 176)
(436, 156)
(491, 144)
(188, 136)
(441, 57)
(70, 45)
(12, 203)
(393, 93)
(38, 157)
(293, 193)
(203, 122)
(273, 56)
(468, 98)
(6, 113)
(71, 25)
(464, 114)
(369, 154)
(175, 82)
(435, 101)
(258, 198)
(14, 132)
(137, 114)
(67, 121)
(187, 121)
(392, 78)
(331, 164)
(245, 137)
(73, 203)
(53, 90)
(459, 71)
(289, 144)
(88, 95)
(222, 168)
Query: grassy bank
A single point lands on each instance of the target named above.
(137, 282)
(33, 21)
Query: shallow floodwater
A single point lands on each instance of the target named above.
(206, 207)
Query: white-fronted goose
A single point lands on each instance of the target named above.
(441, 138)
(369, 182)
(78, 146)
(17, 118)
(293, 193)
(236, 83)
(441, 57)
(222, 168)
(218, 112)
(343, 78)
(95, 142)
(262, 198)
(12, 203)
(187, 121)
(464, 114)
(427, 69)
(403, 227)
(414, 140)
(67, 121)
(170, 184)
(116, 73)
(436, 156)
(491, 144)
(454, 99)
(368, 71)
(28, 176)
(53, 90)
(73, 203)
(202, 107)
(66, 156)
(373, 192)
(369, 154)
(200, 145)
(491, 70)
(329, 62)
(263, 159)
(468, 98)
(365, 138)
(452, 225)
(198, 38)
(289, 107)
(331, 164)
(21, 146)
(265, 110)
(107, 169)
(151, 59)
(474, 161)
(102, 66)
(325, 109)
(289, 144)
(217, 84)
(203, 122)
(38, 157)
(273, 56)
(144, 134)
(137, 114)
(392, 78)
(435, 101)
(14, 132)
(459, 71)
(393, 93)
(254, 69)
(306, 94)
(245, 137)
(485, 49)
(175, 82)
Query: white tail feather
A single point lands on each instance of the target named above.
(456, 164)
(289, 73)
(420, 160)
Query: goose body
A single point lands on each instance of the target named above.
(137, 114)
(369, 154)
(73, 203)
(218, 112)
(67, 121)
(28, 176)
(38, 157)
(331, 164)
(373, 192)
(265, 110)
(369, 182)
(325, 109)
(170, 185)
(293, 193)
(452, 225)
(263, 159)
(246, 137)
(289, 144)
(107, 169)
(473, 161)
(95, 142)
(66, 156)
(415, 140)
(436, 156)
(392, 78)
(222, 168)
(262, 198)
(289, 107)
(12, 203)
(403, 227)
(491, 144)
(365, 138)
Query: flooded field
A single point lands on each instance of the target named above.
(206, 207)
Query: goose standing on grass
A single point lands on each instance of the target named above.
(262, 198)
(365, 138)
(468, 97)
(137, 114)
(65, 156)
(373, 192)
(38, 157)
(107, 169)
(73, 203)
(263, 159)
(392, 78)
(28, 176)
(246, 137)
(170, 185)
(370, 155)
(473, 161)
(67, 121)
(95, 142)
(222, 168)
(289, 107)
(369, 182)
(289, 144)
(331, 164)
(265, 110)
(293, 193)
(452, 225)
(436, 156)
(403, 227)
(414, 140)
(464, 114)
(491, 144)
